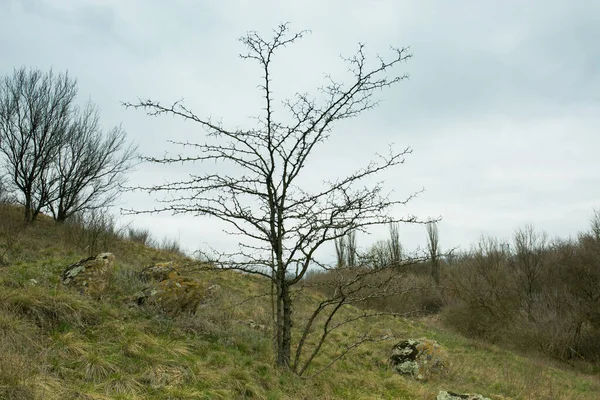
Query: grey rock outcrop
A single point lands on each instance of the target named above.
(91, 275)
(419, 358)
(456, 396)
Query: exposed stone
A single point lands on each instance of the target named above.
(254, 325)
(455, 396)
(419, 358)
(176, 295)
(91, 275)
(159, 272)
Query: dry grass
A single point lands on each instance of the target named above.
(57, 344)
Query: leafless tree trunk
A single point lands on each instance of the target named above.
(283, 225)
(34, 115)
(433, 241)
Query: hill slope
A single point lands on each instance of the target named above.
(58, 344)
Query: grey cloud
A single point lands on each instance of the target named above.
(501, 106)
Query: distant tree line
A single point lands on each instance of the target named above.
(530, 293)
(55, 156)
(534, 293)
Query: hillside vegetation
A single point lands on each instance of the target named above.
(58, 344)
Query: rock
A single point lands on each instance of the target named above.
(176, 295)
(254, 325)
(455, 396)
(159, 272)
(91, 275)
(419, 358)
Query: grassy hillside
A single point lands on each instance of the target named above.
(58, 344)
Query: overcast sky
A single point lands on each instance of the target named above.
(502, 108)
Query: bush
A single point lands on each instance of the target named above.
(141, 235)
(543, 296)
(169, 245)
(408, 291)
(93, 231)
(483, 293)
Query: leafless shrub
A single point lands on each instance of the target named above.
(139, 235)
(483, 290)
(528, 264)
(172, 246)
(94, 231)
(542, 295)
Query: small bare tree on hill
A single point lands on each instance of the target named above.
(433, 246)
(346, 251)
(282, 224)
(90, 167)
(395, 247)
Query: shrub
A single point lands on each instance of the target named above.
(140, 235)
(543, 296)
(93, 231)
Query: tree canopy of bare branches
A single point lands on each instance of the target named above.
(345, 250)
(281, 224)
(433, 247)
(34, 115)
(90, 167)
(55, 153)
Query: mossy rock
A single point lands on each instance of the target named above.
(419, 358)
(177, 295)
(91, 276)
(159, 272)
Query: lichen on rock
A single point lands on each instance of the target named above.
(91, 275)
(418, 358)
(159, 272)
(172, 292)
(443, 395)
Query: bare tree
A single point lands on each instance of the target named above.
(385, 252)
(340, 251)
(346, 251)
(529, 261)
(90, 166)
(282, 224)
(34, 114)
(433, 247)
(395, 248)
(595, 224)
(352, 251)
